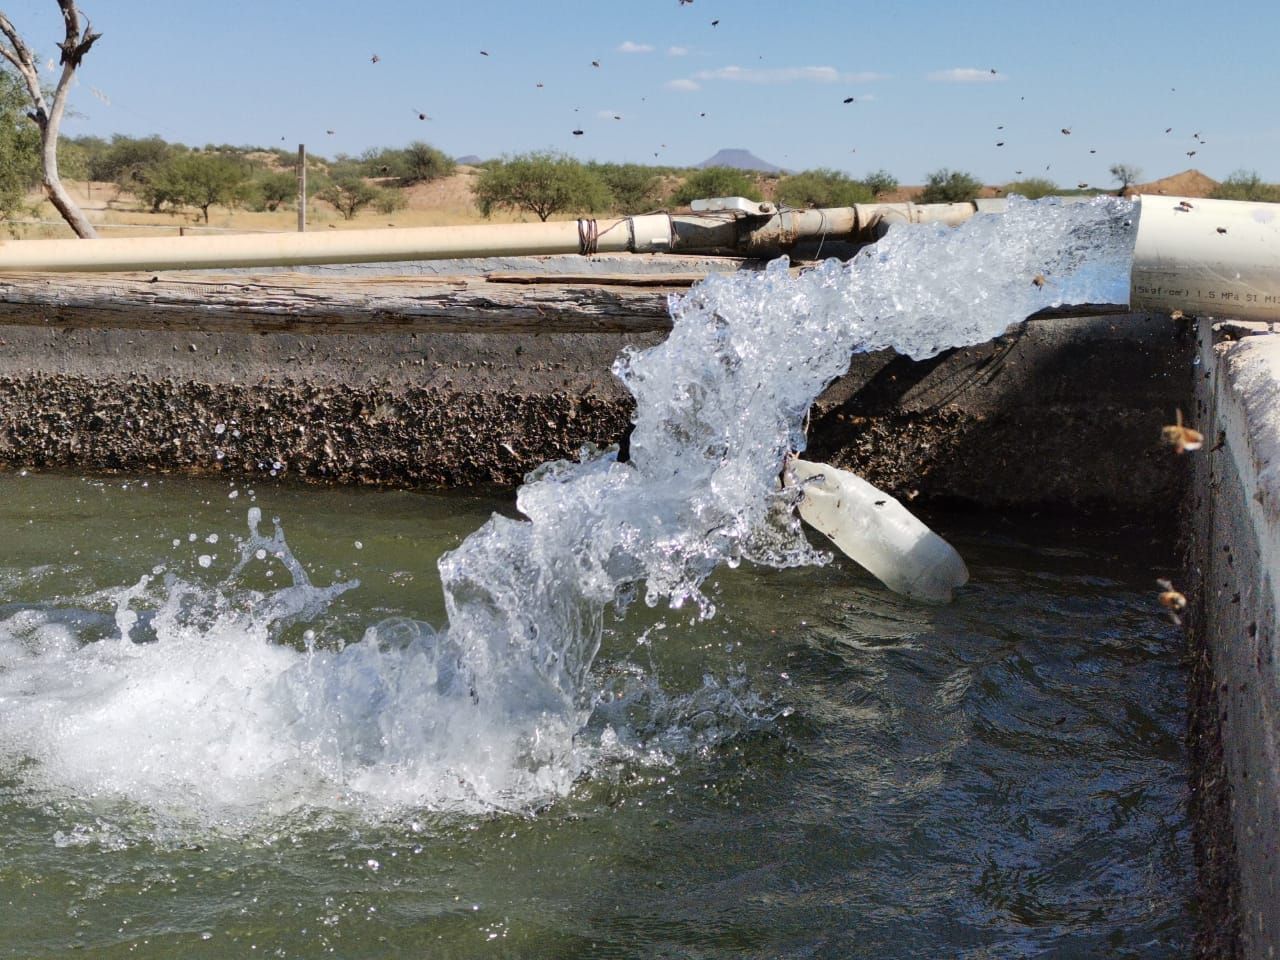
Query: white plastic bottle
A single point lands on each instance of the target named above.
(876, 531)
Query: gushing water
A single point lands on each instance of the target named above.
(189, 707)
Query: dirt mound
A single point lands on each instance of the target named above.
(1188, 183)
(451, 193)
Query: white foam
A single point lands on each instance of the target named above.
(207, 714)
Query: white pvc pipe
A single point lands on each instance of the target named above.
(653, 233)
(638, 234)
(1216, 258)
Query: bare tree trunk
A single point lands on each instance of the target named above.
(48, 117)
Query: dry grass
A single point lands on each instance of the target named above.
(441, 203)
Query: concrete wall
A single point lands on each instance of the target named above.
(1234, 560)
(1061, 413)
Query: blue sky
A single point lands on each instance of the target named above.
(770, 77)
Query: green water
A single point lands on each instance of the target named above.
(823, 770)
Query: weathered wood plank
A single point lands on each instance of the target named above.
(302, 303)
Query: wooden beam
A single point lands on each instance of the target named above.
(304, 303)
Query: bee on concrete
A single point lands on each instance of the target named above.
(1172, 600)
(1181, 438)
(1184, 205)
(1175, 314)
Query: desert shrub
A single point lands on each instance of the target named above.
(1033, 188)
(632, 187)
(417, 163)
(880, 182)
(425, 163)
(1247, 185)
(541, 182)
(715, 182)
(126, 157)
(822, 188)
(950, 186)
(389, 200)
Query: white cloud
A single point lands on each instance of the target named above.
(684, 83)
(677, 51)
(966, 75)
(628, 46)
(775, 75)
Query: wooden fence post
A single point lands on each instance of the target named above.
(302, 188)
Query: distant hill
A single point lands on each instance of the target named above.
(470, 159)
(1188, 183)
(740, 159)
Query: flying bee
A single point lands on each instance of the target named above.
(422, 115)
(1181, 438)
(1039, 280)
(1172, 600)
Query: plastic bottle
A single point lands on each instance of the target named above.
(876, 531)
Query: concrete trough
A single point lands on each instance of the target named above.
(474, 381)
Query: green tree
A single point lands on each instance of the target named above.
(132, 164)
(822, 188)
(542, 182)
(348, 195)
(633, 187)
(715, 182)
(270, 190)
(1247, 185)
(880, 182)
(1032, 188)
(950, 186)
(19, 149)
(200, 180)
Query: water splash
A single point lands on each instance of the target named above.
(191, 706)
